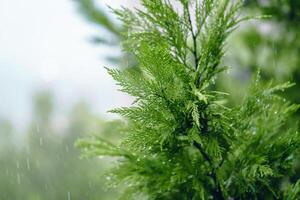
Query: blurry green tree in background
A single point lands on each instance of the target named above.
(46, 165)
(272, 45)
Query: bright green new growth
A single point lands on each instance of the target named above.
(181, 141)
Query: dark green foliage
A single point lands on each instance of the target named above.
(181, 139)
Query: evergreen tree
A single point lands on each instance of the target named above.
(182, 141)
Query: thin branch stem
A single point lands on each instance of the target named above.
(218, 195)
(194, 37)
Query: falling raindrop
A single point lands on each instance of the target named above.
(228, 71)
(37, 128)
(18, 164)
(18, 178)
(41, 141)
(254, 130)
(38, 164)
(69, 195)
(127, 63)
(67, 148)
(274, 53)
(213, 80)
(130, 185)
(190, 176)
(28, 163)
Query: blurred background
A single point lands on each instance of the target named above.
(54, 88)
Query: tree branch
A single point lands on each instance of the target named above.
(194, 37)
(218, 195)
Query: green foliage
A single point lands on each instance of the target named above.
(182, 141)
(293, 192)
(272, 45)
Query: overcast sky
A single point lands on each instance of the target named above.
(44, 44)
